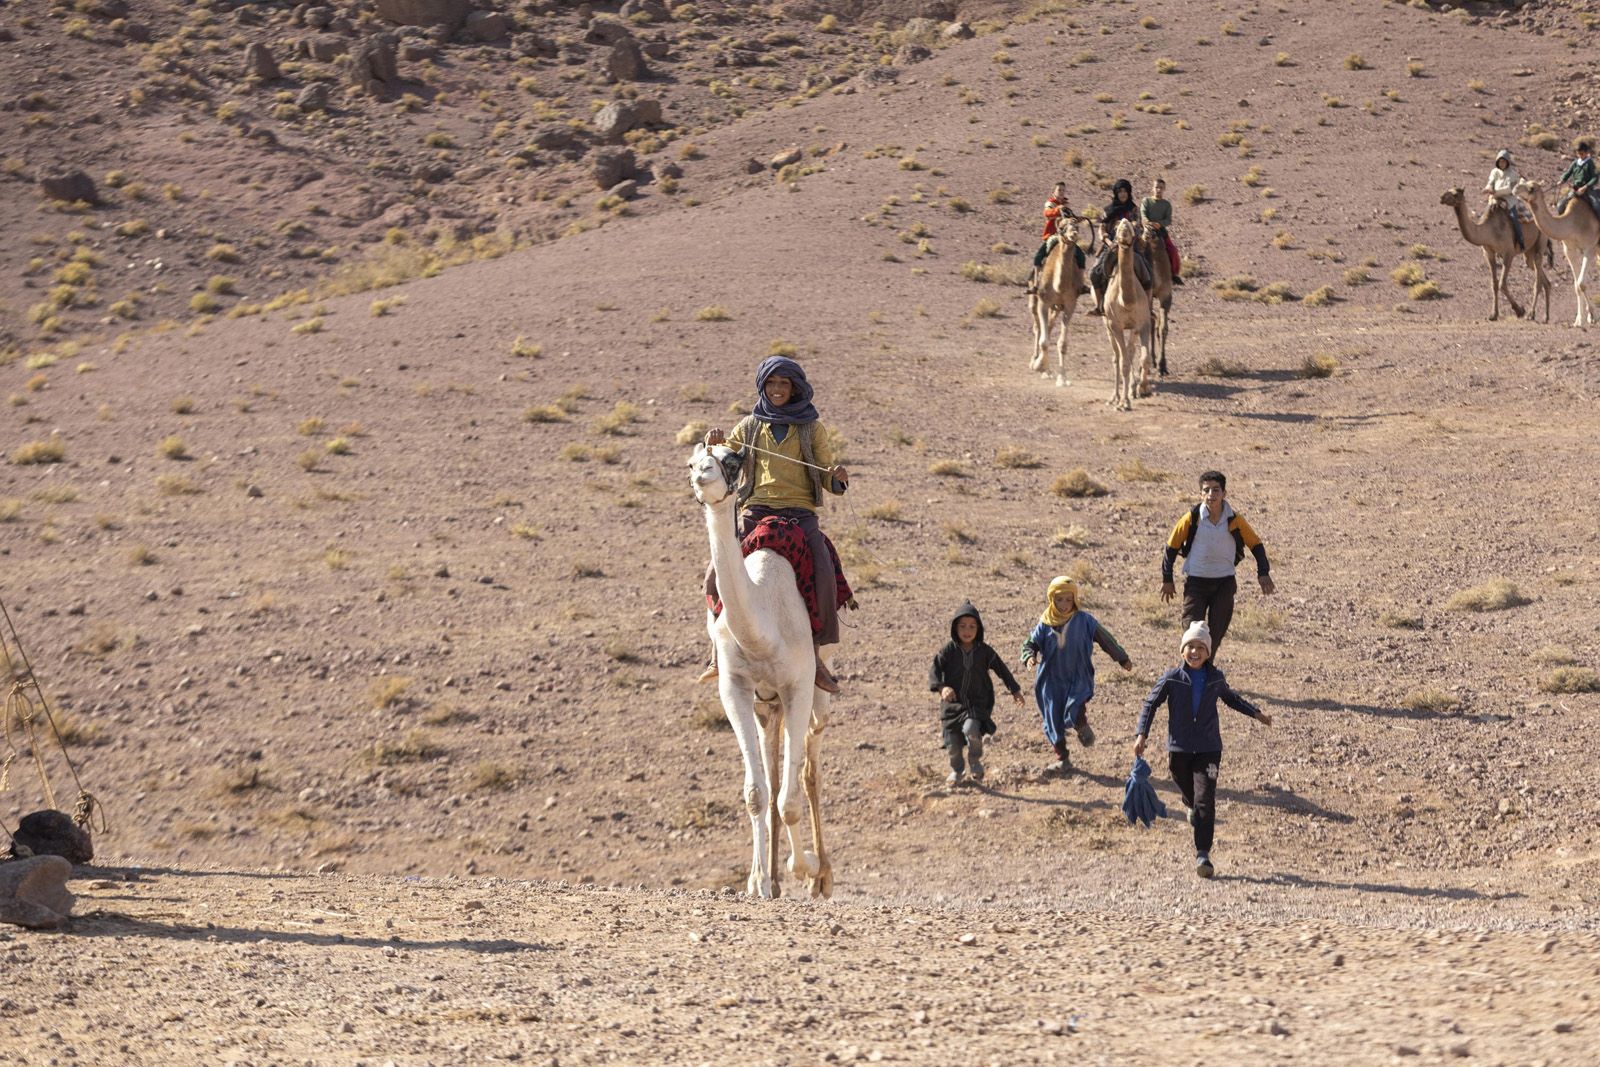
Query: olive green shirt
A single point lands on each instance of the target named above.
(1157, 210)
(781, 481)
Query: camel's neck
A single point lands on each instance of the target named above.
(1127, 282)
(1469, 229)
(1562, 227)
(734, 586)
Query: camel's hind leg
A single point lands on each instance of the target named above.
(1505, 286)
(1040, 312)
(1163, 318)
(1146, 361)
(821, 878)
(1541, 284)
(772, 749)
(1494, 283)
(1114, 335)
(797, 711)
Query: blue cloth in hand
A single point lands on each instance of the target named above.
(1139, 801)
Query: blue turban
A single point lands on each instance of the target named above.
(799, 410)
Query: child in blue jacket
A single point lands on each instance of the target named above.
(1062, 645)
(1194, 736)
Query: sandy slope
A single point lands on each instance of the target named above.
(422, 593)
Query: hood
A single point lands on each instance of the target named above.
(1122, 183)
(963, 612)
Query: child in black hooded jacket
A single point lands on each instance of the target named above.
(960, 675)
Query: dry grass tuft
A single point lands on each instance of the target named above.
(1570, 680)
(1401, 619)
(1013, 458)
(692, 432)
(948, 468)
(493, 777)
(1319, 365)
(1136, 471)
(1217, 367)
(416, 746)
(173, 448)
(714, 313)
(1077, 483)
(987, 309)
(1497, 594)
(1430, 700)
(387, 692)
(1073, 536)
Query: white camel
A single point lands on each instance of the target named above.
(765, 657)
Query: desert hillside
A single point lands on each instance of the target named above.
(365, 582)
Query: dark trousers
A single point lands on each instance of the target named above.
(1106, 262)
(821, 562)
(1210, 599)
(1195, 774)
(962, 730)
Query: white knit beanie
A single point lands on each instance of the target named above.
(1197, 631)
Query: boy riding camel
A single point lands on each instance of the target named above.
(1156, 211)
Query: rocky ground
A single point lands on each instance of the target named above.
(364, 610)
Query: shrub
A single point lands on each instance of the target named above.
(1354, 61)
(223, 253)
(1136, 471)
(1497, 594)
(622, 414)
(52, 450)
(174, 448)
(1167, 66)
(1397, 619)
(1319, 297)
(526, 349)
(1356, 276)
(1430, 700)
(1319, 365)
(1570, 680)
(1425, 291)
(1077, 483)
(714, 313)
(1217, 367)
(1013, 458)
(1407, 275)
(1414, 69)
(691, 432)
(986, 309)
(1195, 194)
(948, 468)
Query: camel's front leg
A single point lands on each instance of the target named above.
(740, 706)
(1505, 286)
(1581, 283)
(1061, 341)
(772, 736)
(1146, 360)
(1041, 331)
(1494, 283)
(797, 708)
(1115, 337)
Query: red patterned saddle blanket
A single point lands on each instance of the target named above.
(787, 539)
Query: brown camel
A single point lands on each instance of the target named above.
(1059, 283)
(1578, 230)
(1494, 235)
(1155, 250)
(1128, 322)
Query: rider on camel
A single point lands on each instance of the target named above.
(1501, 188)
(1156, 211)
(1581, 176)
(1056, 208)
(1121, 207)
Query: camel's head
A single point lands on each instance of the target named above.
(1125, 232)
(1070, 233)
(1451, 198)
(714, 472)
(1528, 189)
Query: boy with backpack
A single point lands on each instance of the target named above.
(1212, 538)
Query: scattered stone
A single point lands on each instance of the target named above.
(137, 32)
(487, 26)
(451, 13)
(1565, 1026)
(52, 833)
(783, 159)
(33, 892)
(754, 166)
(967, 939)
(374, 62)
(414, 51)
(666, 169)
(313, 97)
(612, 165)
(614, 120)
(957, 31)
(70, 186)
(6, 35)
(259, 64)
(625, 62)
(912, 53)
(627, 189)
(442, 572)
(433, 171)
(531, 44)
(318, 18)
(106, 9)
(557, 137)
(605, 30)
(324, 47)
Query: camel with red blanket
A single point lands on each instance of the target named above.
(766, 661)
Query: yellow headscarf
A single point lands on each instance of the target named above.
(1051, 616)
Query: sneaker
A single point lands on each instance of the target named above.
(1060, 767)
(976, 768)
(1202, 865)
(1176, 280)
(1085, 733)
(953, 778)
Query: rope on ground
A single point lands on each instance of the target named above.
(25, 705)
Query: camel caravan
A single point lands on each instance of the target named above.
(1132, 281)
(775, 586)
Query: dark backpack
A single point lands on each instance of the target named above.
(1233, 528)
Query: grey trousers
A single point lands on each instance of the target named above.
(973, 734)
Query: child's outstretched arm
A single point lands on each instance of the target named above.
(1103, 638)
(1147, 712)
(1033, 646)
(999, 667)
(1241, 705)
